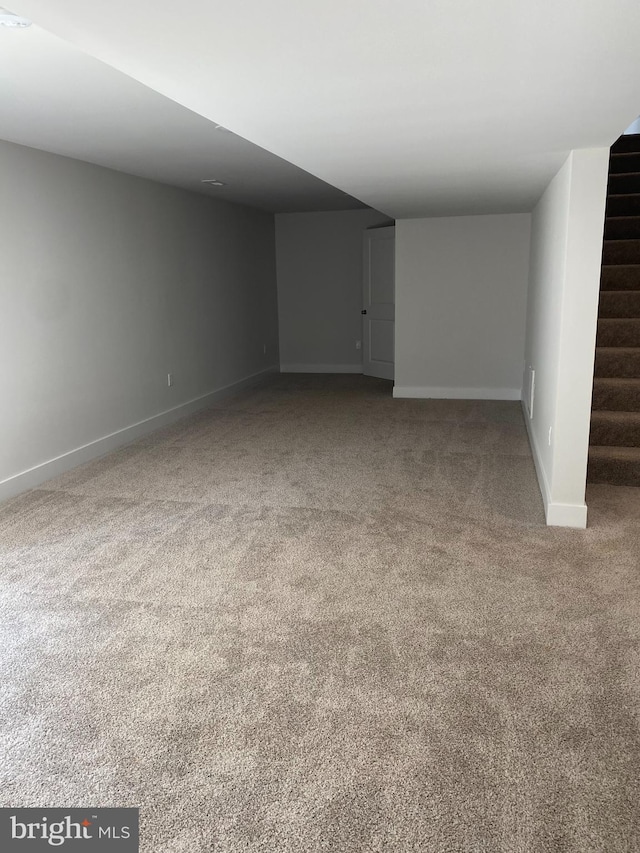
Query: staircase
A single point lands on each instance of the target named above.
(614, 453)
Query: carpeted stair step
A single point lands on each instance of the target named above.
(622, 228)
(621, 252)
(614, 452)
(620, 429)
(618, 333)
(628, 142)
(620, 303)
(618, 361)
(619, 466)
(616, 394)
(623, 204)
(620, 277)
(624, 161)
(623, 184)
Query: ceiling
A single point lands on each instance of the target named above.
(417, 108)
(59, 99)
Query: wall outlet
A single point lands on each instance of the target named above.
(358, 344)
(169, 379)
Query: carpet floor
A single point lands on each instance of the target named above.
(314, 618)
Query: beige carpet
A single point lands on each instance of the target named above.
(315, 618)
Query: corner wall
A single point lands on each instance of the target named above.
(461, 290)
(107, 284)
(566, 251)
(319, 262)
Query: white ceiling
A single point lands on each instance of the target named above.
(59, 99)
(417, 107)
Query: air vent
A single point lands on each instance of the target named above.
(9, 19)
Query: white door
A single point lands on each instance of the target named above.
(378, 304)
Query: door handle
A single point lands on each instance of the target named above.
(364, 311)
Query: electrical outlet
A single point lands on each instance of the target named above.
(169, 380)
(358, 344)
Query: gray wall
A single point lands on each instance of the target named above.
(108, 283)
(319, 259)
(461, 289)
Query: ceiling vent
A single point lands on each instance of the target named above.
(8, 19)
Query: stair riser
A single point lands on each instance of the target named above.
(618, 333)
(614, 455)
(621, 252)
(615, 472)
(623, 184)
(615, 435)
(621, 163)
(614, 399)
(612, 363)
(625, 228)
(629, 142)
(620, 278)
(621, 205)
(625, 304)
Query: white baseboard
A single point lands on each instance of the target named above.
(419, 392)
(556, 514)
(320, 368)
(567, 515)
(39, 474)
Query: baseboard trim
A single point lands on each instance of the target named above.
(320, 368)
(567, 515)
(419, 392)
(556, 514)
(38, 474)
